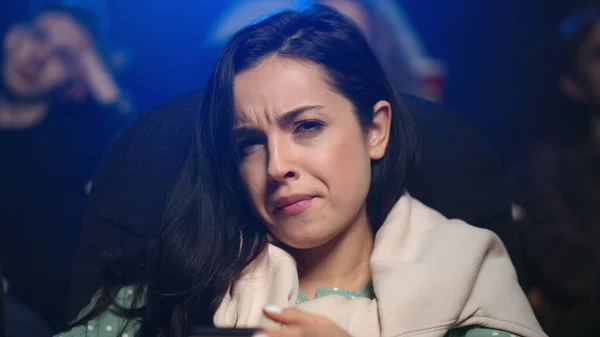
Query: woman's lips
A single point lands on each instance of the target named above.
(293, 204)
(296, 207)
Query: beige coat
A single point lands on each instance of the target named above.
(430, 274)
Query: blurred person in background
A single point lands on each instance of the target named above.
(559, 194)
(58, 114)
(579, 74)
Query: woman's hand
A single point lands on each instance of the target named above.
(298, 323)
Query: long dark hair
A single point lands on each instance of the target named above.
(198, 252)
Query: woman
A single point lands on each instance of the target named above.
(294, 197)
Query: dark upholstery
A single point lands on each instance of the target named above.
(459, 176)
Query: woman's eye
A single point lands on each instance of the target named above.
(308, 126)
(247, 146)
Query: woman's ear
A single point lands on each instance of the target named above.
(378, 132)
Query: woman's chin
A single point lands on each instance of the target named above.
(300, 243)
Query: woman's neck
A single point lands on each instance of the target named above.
(343, 262)
(15, 114)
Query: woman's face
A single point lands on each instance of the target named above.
(305, 159)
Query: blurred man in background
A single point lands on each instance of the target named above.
(57, 117)
(559, 193)
(579, 66)
(557, 190)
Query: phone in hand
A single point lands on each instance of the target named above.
(221, 332)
